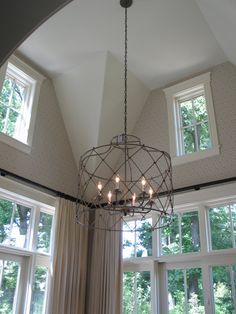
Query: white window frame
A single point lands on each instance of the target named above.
(205, 259)
(30, 258)
(34, 79)
(173, 93)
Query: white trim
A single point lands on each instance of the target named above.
(183, 89)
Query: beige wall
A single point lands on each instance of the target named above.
(51, 161)
(152, 128)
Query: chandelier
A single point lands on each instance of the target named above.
(124, 181)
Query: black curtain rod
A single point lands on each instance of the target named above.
(196, 187)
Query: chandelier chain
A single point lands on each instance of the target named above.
(125, 74)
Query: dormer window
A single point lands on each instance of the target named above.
(18, 103)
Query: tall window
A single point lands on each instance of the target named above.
(18, 102)
(192, 126)
(26, 235)
(188, 267)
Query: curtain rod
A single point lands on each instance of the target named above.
(195, 187)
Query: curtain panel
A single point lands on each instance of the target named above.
(104, 291)
(70, 262)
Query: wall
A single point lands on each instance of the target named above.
(152, 128)
(51, 161)
(20, 19)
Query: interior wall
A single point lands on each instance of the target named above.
(51, 162)
(152, 128)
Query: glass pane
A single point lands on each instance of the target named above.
(9, 274)
(233, 213)
(200, 109)
(185, 291)
(3, 113)
(18, 96)
(170, 237)
(223, 281)
(176, 292)
(128, 240)
(190, 232)
(136, 293)
(204, 140)
(144, 238)
(11, 123)
(14, 223)
(39, 290)
(221, 237)
(139, 243)
(44, 232)
(186, 112)
(195, 291)
(6, 92)
(189, 140)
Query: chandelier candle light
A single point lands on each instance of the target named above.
(124, 180)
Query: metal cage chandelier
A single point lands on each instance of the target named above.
(125, 180)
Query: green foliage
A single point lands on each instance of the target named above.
(44, 232)
(39, 288)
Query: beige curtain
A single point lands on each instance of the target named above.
(104, 293)
(70, 262)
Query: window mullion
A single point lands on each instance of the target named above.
(185, 291)
(180, 232)
(233, 286)
(231, 226)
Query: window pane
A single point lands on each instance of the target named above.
(185, 291)
(200, 109)
(136, 293)
(170, 238)
(11, 123)
(204, 140)
(3, 113)
(186, 112)
(9, 273)
(139, 243)
(39, 290)
(44, 232)
(189, 140)
(221, 237)
(224, 285)
(233, 213)
(190, 232)
(14, 223)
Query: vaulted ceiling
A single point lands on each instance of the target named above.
(81, 49)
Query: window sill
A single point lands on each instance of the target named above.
(15, 143)
(178, 160)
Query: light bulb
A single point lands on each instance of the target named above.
(109, 195)
(150, 192)
(117, 179)
(143, 182)
(99, 186)
(133, 199)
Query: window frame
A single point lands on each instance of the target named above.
(30, 257)
(34, 79)
(180, 90)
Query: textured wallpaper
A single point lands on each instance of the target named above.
(51, 161)
(152, 128)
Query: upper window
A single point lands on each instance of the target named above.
(19, 86)
(191, 120)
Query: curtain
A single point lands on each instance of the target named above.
(104, 293)
(70, 262)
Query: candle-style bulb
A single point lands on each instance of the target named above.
(117, 179)
(133, 199)
(150, 192)
(143, 182)
(109, 195)
(99, 186)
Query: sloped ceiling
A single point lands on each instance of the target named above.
(81, 49)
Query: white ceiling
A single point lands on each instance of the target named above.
(168, 40)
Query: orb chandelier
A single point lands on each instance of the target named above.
(124, 181)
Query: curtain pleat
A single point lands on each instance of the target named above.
(70, 262)
(104, 295)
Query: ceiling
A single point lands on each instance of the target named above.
(83, 44)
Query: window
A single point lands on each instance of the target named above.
(192, 124)
(223, 226)
(19, 87)
(182, 235)
(189, 266)
(26, 237)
